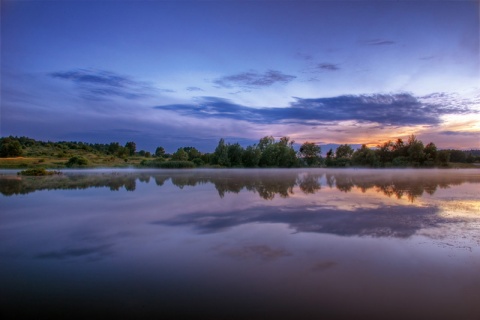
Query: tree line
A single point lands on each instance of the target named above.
(268, 152)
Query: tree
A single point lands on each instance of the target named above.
(131, 148)
(443, 157)
(180, 155)
(364, 157)
(286, 154)
(310, 152)
(458, 156)
(220, 156)
(343, 155)
(384, 152)
(251, 156)
(113, 147)
(431, 154)
(192, 152)
(159, 152)
(399, 149)
(265, 142)
(235, 154)
(277, 154)
(10, 148)
(416, 155)
(344, 151)
(329, 161)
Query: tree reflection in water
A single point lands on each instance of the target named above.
(266, 183)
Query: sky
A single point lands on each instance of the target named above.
(187, 73)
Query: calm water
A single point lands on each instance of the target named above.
(246, 244)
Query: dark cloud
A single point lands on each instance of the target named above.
(254, 79)
(328, 66)
(386, 109)
(460, 133)
(100, 84)
(378, 42)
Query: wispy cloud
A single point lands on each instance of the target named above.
(328, 66)
(460, 133)
(387, 109)
(99, 84)
(194, 89)
(253, 79)
(303, 56)
(96, 253)
(378, 42)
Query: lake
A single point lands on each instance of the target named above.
(241, 244)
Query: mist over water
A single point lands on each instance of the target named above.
(242, 244)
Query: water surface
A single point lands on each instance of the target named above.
(242, 244)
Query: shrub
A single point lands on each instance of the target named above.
(176, 164)
(76, 161)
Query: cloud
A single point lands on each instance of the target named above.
(378, 42)
(303, 56)
(387, 109)
(254, 79)
(460, 133)
(389, 221)
(96, 253)
(194, 89)
(328, 66)
(100, 84)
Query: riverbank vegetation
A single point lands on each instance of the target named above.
(23, 152)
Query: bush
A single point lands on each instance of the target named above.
(10, 148)
(76, 161)
(177, 164)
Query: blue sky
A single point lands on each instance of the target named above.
(186, 73)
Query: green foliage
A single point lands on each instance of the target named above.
(344, 151)
(364, 157)
(192, 153)
(10, 147)
(180, 155)
(251, 156)
(343, 156)
(267, 153)
(235, 155)
(444, 157)
(130, 147)
(159, 152)
(76, 161)
(277, 154)
(310, 153)
(457, 156)
(220, 156)
(416, 155)
(176, 165)
(198, 162)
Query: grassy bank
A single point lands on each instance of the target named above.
(94, 161)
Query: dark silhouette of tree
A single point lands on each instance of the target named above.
(159, 152)
(131, 148)
(10, 148)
